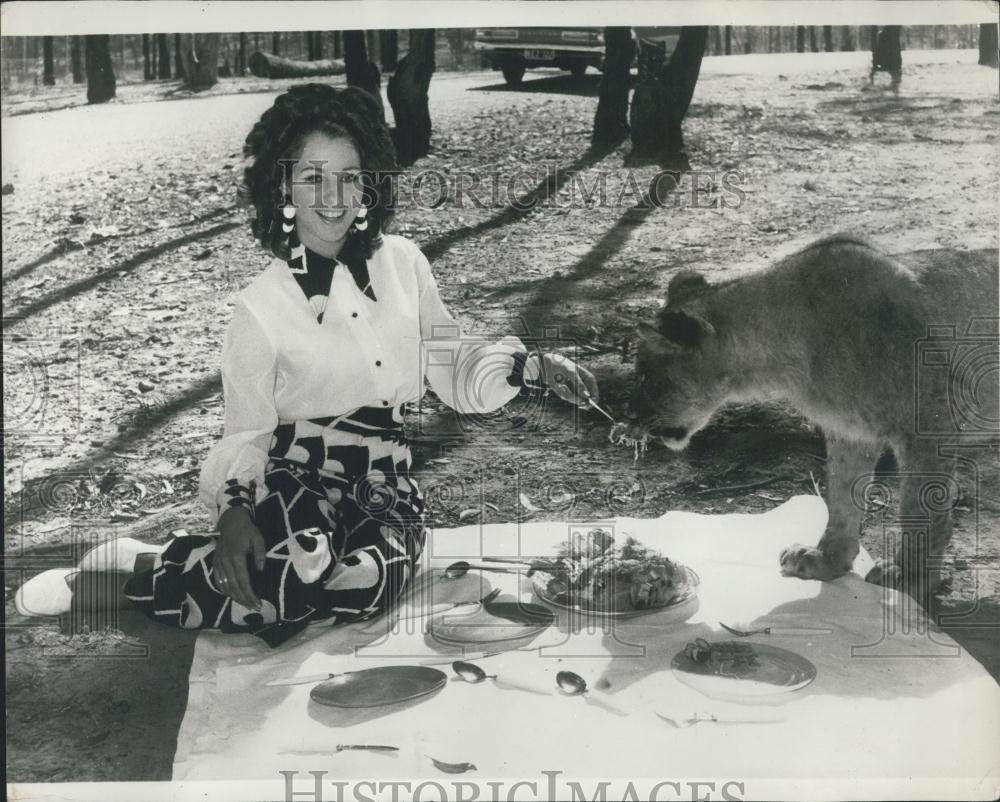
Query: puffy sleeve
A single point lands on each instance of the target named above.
(233, 472)
(468, 373)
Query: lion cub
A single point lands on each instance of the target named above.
(875, 350)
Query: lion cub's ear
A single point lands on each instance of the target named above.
(678, 331)
(684, 286)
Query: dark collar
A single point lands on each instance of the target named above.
(313, 272)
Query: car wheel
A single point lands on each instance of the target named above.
(578, 69)
(513, 72)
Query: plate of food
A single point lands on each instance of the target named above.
(594, 575)
(741, 671)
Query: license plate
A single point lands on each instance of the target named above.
(540, 55)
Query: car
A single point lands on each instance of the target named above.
(514, 50)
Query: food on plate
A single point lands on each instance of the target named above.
(725, 658)
(595, 573)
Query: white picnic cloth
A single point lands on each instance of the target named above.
(889, 710)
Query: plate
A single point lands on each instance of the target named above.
(779, 672)
(681, 608)
(494, 622)
(375, 687)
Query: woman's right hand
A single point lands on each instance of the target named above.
(239, 538)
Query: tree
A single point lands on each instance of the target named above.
(407, 91)
(276, 43)
(729, 40)
(100, 70)
(48, 69)
(663, 94)
(360, 71)
(846, 38)
(828, 38)
(813, 44)
(76, 59)
(241, 61)
(611, 119)
(800, 39)
(147, 64)
(988, 45)
(178, 60)
(389, 50)
(201, 60)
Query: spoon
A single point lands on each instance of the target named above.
(572, 684)
(473, 674)
(470, 672)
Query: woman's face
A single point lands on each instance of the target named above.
(326, 190)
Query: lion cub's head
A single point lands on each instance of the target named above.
(682, 373)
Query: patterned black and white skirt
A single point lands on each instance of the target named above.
(343, 524)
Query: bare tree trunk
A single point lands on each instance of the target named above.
(846, 38)
(201, 60)
(178, 60)
(716, 41)
(360, 71)
(76, 59)
(163, 60)
(988, 45)
(407, 91)
(389, 50)
(338, 45)
(813, 44)
(611, 119)
(100, 70)
(264, 65)
(48, 68)
(317, 45)
(241, 61)
(147, 67)
(276, 43)
(729, 40)
(663, 94)
(828, 38)
(800, 39)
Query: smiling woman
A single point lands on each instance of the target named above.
(310, 485)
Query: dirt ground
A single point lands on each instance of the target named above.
(118, 267)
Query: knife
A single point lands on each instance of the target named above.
(379, 624)
(438, 661)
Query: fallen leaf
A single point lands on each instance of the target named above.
(453, 768)
(526, 503)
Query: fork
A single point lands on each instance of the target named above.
(681, 724)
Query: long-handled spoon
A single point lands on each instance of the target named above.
(443, 607)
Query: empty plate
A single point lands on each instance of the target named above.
(778, 671)
(495, 622)
(374, 687)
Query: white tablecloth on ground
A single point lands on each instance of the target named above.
(886, 712)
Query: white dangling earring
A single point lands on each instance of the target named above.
(359, 222)
(288, 212)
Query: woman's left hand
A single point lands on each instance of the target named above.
(568, 380)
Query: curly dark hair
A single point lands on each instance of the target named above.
(278, 136)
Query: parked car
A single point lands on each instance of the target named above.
(514, 50)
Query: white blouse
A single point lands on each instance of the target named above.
(279, 364)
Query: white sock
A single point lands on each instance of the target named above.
(117, 555)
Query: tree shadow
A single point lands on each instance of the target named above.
(129, 265)
(66, 244)
(518, 209)
(561, 84)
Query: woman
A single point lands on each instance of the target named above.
(318, 517)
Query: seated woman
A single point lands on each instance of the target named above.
(310, 487)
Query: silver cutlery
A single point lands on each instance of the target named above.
(690, 722)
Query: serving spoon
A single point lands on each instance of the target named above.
(473, 674)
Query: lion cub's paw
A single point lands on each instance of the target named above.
(806, 562)
(885, 573)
